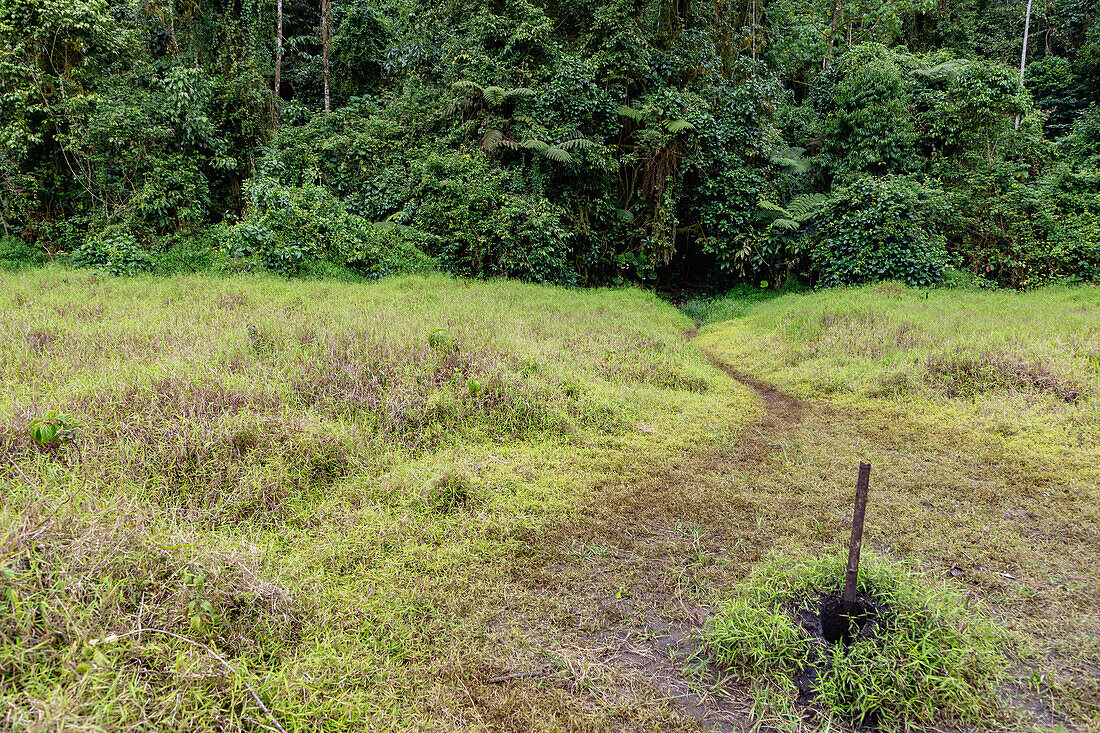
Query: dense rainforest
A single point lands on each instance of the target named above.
(676, 143)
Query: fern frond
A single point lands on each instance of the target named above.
(557, 155)
(791, 159)
(537, 145)
(494, 95)
(769, 206)
(803, 206)
(630, 112)
(940, 72)
(491, 140)
(520, 92)
(465, 85)
(788, 224)
(577, 142)
(526, 119)
(675, 126)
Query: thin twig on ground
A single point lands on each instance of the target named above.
(211, 652)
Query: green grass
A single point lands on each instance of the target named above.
(931, 657)
(360, 502)
(330, 486)
(734, 304)
(980, 412)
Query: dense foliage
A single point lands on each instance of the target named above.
(653, 140)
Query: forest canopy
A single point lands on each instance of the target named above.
(669, 142)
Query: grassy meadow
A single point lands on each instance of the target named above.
(433, 504)
(335, 488)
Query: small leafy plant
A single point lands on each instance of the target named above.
(54, 429)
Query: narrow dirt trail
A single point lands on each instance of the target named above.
(661, 649)
(665, 535)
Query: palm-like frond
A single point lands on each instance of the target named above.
(941, 72)
(494, 95)
(791, 160)
(465, 85)
(536, 145)
(557, 155)
(805, 205)
(675, 126)
(491, 140)
(577, 142)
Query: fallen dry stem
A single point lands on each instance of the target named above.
(233, 670)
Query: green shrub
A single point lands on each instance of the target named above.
(15, 254)
(880, 229)
(289, 228)
(484, 229)
(114, 251)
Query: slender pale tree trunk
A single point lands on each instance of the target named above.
(1027, 28)
(752, 31)
(325, 47)
(278, 54)
(1023, 53)
(172, 26)
(832, 34)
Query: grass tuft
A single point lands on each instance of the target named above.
(927, 659)
(961, 375)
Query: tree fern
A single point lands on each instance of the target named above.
(941, 72)
(491, 140)
(537, 146)
(494, 95)
(805, 205)
(791, 160)
(465, 85)
(675, 126)
(577, 142)
(557, 155)
(630, 112)
(795, 214)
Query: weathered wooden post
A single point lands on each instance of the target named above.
(851, 578)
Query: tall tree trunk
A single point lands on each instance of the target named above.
(1023, 54)
(325, 46)
(172, 26)
(832, 34)
(752, 31)
(278, 55)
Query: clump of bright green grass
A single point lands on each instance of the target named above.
(927, 659)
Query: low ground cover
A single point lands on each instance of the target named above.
(427, 503)
(979, 412)
(327, 487)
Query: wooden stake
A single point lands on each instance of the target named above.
(851, 578)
